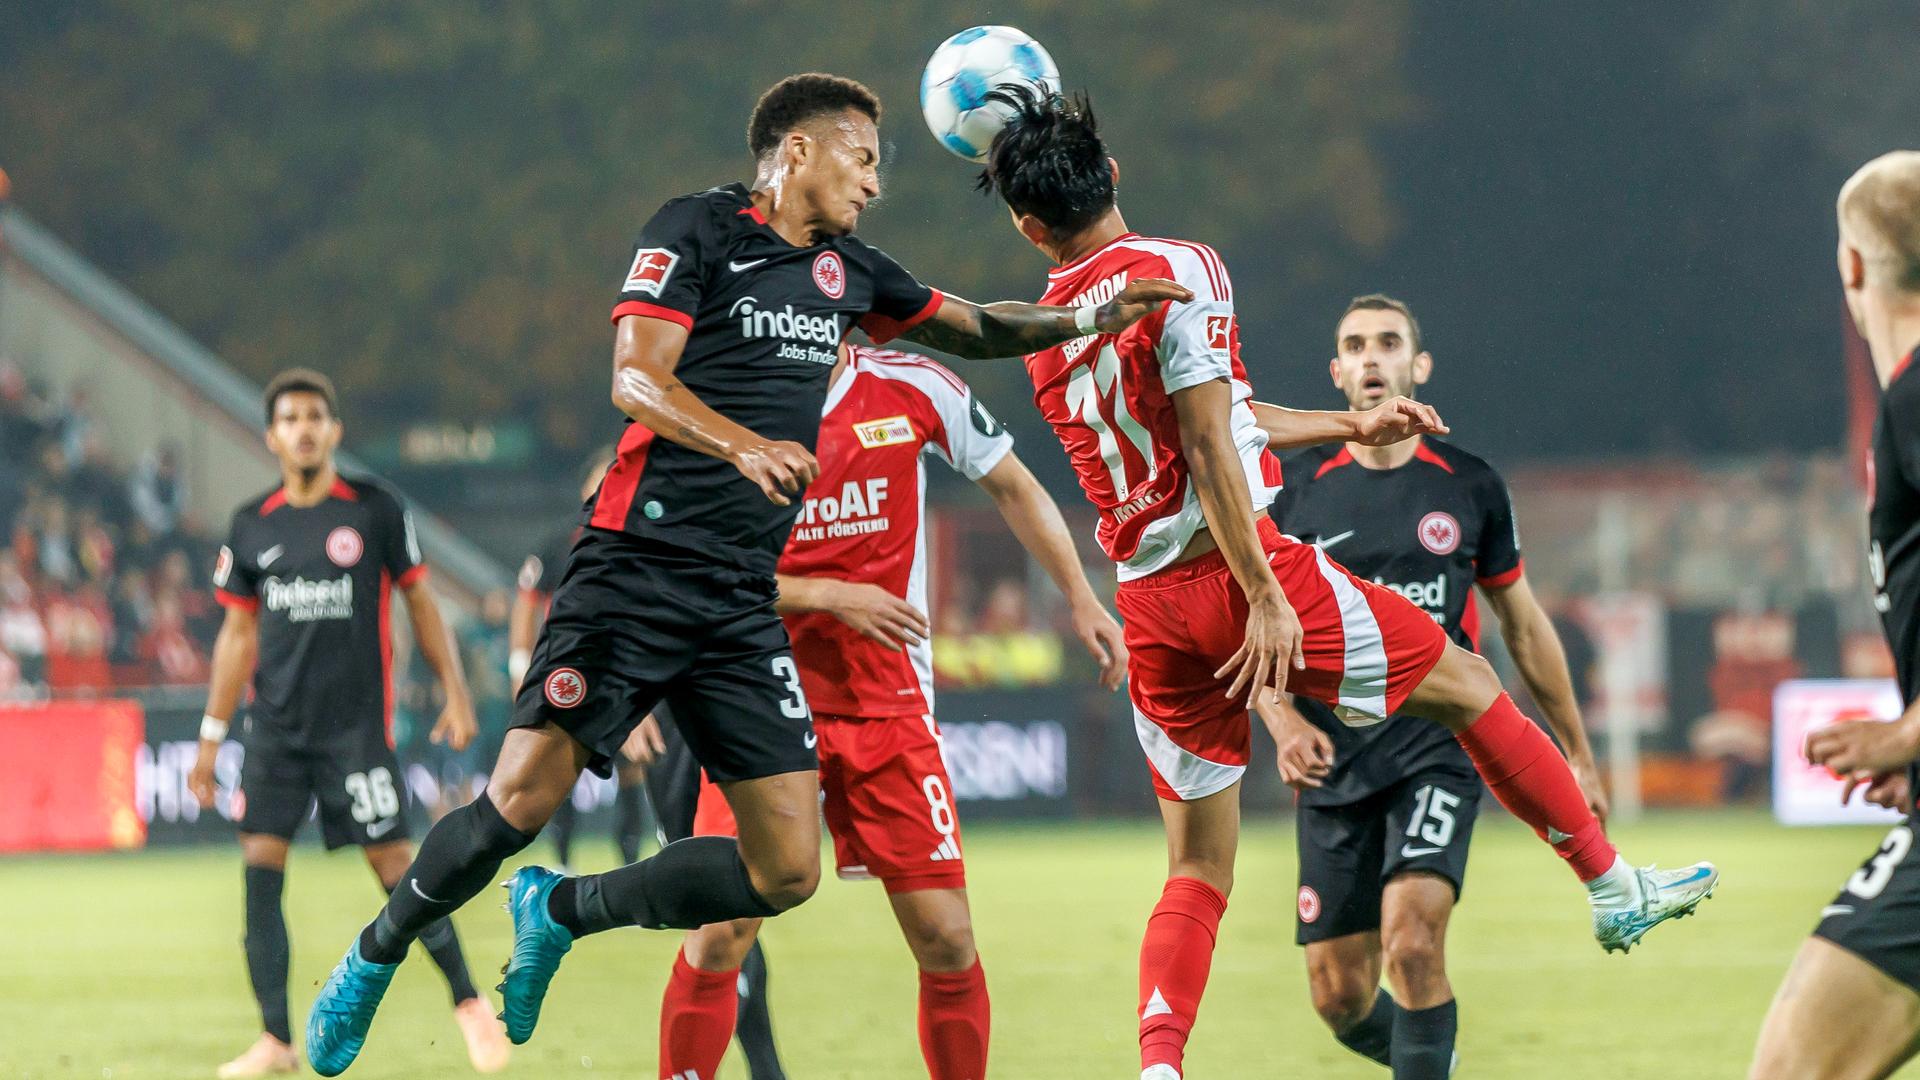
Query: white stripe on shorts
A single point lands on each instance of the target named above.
(1363, 681)
(1188, 774)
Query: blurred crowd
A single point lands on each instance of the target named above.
(101, 572)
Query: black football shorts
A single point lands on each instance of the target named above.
(1877, 914)
(635, 623)
(1348, 853)
(357, 784)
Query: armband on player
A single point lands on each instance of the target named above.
(1085, 319)
(212, 728)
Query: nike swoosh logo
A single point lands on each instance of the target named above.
(811, 739)
(1836, 909)
(268, 556)
(414, 884)
(737, 266)
(1332, 540)
(375, 832)
(1408, 851)
(1555, 836)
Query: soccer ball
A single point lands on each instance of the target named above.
(953, 90)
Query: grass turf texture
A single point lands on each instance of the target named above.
(129, 967)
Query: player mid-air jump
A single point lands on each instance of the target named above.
(1221, 610)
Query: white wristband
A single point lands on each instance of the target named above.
(212, 729)
(518, 661)
(1083, 319)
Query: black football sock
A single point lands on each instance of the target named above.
(629, 821)
(1373, 1037)
(561, 825)
(753, 1024)
(1423, 1042)
(685, 885)
(267, 952)
(459, 856)
(443, 944)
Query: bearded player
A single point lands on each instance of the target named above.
(726, 328)
(853, 590)
(1220, 609)
(1850, 1004)
(1386, 812)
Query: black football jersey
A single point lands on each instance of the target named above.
(321, 579)
(1429, 530)
(1893, 527)
(765, 319)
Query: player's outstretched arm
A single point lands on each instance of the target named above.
(1035, 519)
(868, 608)
(1011, 328)
(1391, 421)
(1537, 652)
(1272, 646)
(434, 638)
(645, 353)
(235, 651)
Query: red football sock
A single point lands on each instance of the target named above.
(1531, 779)
(954, 1020)
(696, 1021)
(1174, 960)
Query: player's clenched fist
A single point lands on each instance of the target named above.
(1138, 300)
(200, 780)
(782, 469)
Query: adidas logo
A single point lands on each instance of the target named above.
(948, 849)
(1156, 1006)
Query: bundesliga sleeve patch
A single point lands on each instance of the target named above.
(983, 421)
(650, 270)
(1219, 333)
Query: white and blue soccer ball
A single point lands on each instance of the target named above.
(953, 89)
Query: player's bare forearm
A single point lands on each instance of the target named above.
(235, 651)
(435, 641)
(1206, 440)
(1280, 717)
(1012, 328)
(523, 622)
(645, 353)
(1036, 522)
(799, 594)
(1537, 652)
(1297, 429)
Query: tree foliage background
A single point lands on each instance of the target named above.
(1614, 219)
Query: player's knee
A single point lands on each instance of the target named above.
(1341, 997)
(786, 883)
(720, 946)
(941, 944)
(1459, 689)
(1415, 957)
(1216, 871)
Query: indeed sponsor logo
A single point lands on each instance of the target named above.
(794, 326)
(1431, 595)
(306, 601)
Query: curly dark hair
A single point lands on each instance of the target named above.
(300, 381)
(1049, 161)
(797, 99)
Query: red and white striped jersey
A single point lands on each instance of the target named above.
(863, 516)
(1109, 397)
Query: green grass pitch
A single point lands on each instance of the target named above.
(129, 967)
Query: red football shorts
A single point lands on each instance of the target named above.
(887, 798)
(1366, 647)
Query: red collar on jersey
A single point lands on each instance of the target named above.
(340, 490)
(1422, 452)
(1900, 368)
